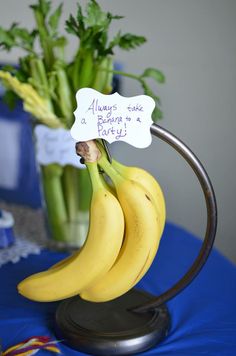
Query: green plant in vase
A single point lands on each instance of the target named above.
(47, 82)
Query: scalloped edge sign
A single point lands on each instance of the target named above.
(55, 146)
(113, 118)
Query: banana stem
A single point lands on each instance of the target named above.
(88, 150)
(118, 166)
(94, 176)
(85, 189)
(110, 170)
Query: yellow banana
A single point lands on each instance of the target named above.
(141, 241)
(74, 254)
(66, 260)
(148, 182)
(96, 257)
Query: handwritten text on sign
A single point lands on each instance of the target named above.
(113, 118)
(55, 146)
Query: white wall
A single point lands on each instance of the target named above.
(194, 43)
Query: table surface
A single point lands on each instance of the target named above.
(203, 316)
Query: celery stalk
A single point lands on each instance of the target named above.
(40, 81)
(53, 194)
(100, 76)
(77, 192)
(64, 96)
(44, 35)
(71, 191)
(86, 73)
(75, 70)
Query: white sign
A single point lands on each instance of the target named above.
(113, 118)
(55, 146)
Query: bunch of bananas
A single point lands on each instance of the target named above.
(126, 223)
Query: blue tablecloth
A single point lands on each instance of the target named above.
(203, 315)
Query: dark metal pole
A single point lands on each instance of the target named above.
(210, 233)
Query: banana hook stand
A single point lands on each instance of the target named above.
(137, 320)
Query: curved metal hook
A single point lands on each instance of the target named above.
(210, 233)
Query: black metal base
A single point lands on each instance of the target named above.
(110, 328)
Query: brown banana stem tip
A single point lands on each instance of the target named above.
(88, 150)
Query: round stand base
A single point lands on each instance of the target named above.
(109, 328)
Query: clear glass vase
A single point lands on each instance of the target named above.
(66, 192)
